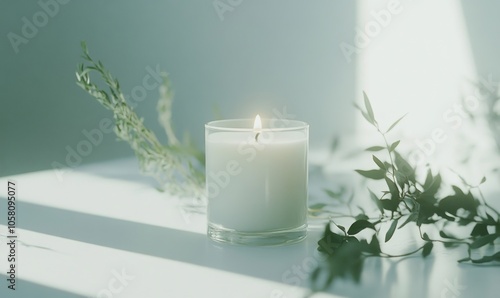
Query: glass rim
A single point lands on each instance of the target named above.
(222, 125)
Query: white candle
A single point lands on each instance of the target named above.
(257, 180)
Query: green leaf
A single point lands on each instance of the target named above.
(392, 188)
(342, 228)
(460, 200)
(377, 201)
(427, 249)
(369, 108)
(372, 174)
(391, 230)
(404, 167)
(458, 191)
(362, 216)
(464, 260)
(359, 226)
(378, 162)
(375, 148)
(374, 245)
(393, 146)
(395, 123)
(333, 195)
(443, 234)
(401, 179)
(487, 259)
(317, 206)
(482, 241)
(452, 244)
(479, 230)
(482, 180)
(330, 241)
(433, 188)
(426, 237)
(427, 210)
(491, 220)
(391, 205)
(367, 118)
(413, 215)
(365, 115)
(428, 179)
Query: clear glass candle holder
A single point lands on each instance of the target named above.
(257, 181)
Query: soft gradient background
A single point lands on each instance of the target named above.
(261, 55)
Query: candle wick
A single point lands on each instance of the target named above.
(257, 137)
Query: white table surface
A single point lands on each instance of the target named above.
(100, 221)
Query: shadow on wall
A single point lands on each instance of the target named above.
(259, 56)
(480, 19)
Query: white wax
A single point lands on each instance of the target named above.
(257, 186)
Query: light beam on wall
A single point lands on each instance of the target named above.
(415, 59)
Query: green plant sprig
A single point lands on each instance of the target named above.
(177, 167)
(407, 200)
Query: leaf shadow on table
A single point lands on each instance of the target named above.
(387, 278)
(288, 265)
(262, 262)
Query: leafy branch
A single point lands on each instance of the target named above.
(177, 167)
(406, 200)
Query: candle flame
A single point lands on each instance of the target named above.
(257, 125)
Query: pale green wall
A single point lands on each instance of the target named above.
(263, 55)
